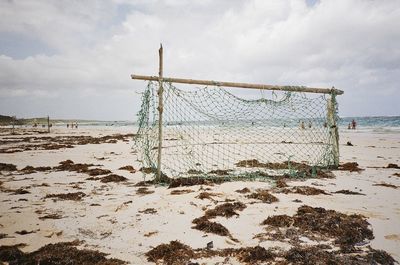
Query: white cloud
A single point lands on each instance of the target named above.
(350, 44)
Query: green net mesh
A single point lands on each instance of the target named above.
(209, 131)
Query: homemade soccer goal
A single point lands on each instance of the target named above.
(222, 129)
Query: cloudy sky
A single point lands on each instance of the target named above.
(73, 58)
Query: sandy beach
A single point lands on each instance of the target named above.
(83, 186)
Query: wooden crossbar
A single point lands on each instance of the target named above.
(241, 85)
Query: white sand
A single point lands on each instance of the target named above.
(117, 227)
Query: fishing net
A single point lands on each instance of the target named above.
(213, 132)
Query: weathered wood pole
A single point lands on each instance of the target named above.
(48, 124)
(240, 85)
(334, 131)
(160, 110)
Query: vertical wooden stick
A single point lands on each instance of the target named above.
(160, 111)
(13, 124)
(48, 124)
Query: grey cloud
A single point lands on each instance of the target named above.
(351, 44)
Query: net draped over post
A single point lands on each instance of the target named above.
(211, 132)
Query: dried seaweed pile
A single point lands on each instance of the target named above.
(74, 196)
(350, 166)
(28, 143)
(56, 254)
(263, 195)
(176, 253)
(304, 190)
(345, 230)
(301, 168)
(226, 210)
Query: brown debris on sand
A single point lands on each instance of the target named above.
(24, 232)
(391, 165)
(8, 167)
(148, 211)
(396, 174)
(346, 230)
(97, 171)
(173, 253)
(384, 184)
(69, 165)
(318, 255)
(263, 195)
(31, 169)
(148, 170)
(244, 190)
(350, 166)
(253, 255)
(205, 225)
(301, 168)
(207, 195)
(349, 192)
(184, 182)
(144, 191)
(19, 191)
(51, 216)
(74, 196)
(220, 172)
(129, 168)
(113, 178)
(278, 221)
(281, 183)
(227, 210)
(304, 190)
(64, 253)
(179, 192)
(59, 142)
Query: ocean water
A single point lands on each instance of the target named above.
(382, 124)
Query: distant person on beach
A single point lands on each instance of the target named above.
(309, 125)
(349, 126)
(302, 125)
(353, 124)
(67, 125)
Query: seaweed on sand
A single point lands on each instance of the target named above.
(263, 195)
(391, 165)
(384, 184)
(205, 225)
(173, 253)
(227, 210)
(64, 253)
(129, 168)
(244, 190)
(74, 196)
(144, 191)
(113, 178)
(179, 192)
(347, 230)
(304, 190)
(301, 168)
(7, 167)
(350, 166)
(207, 195)
(349, 192)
